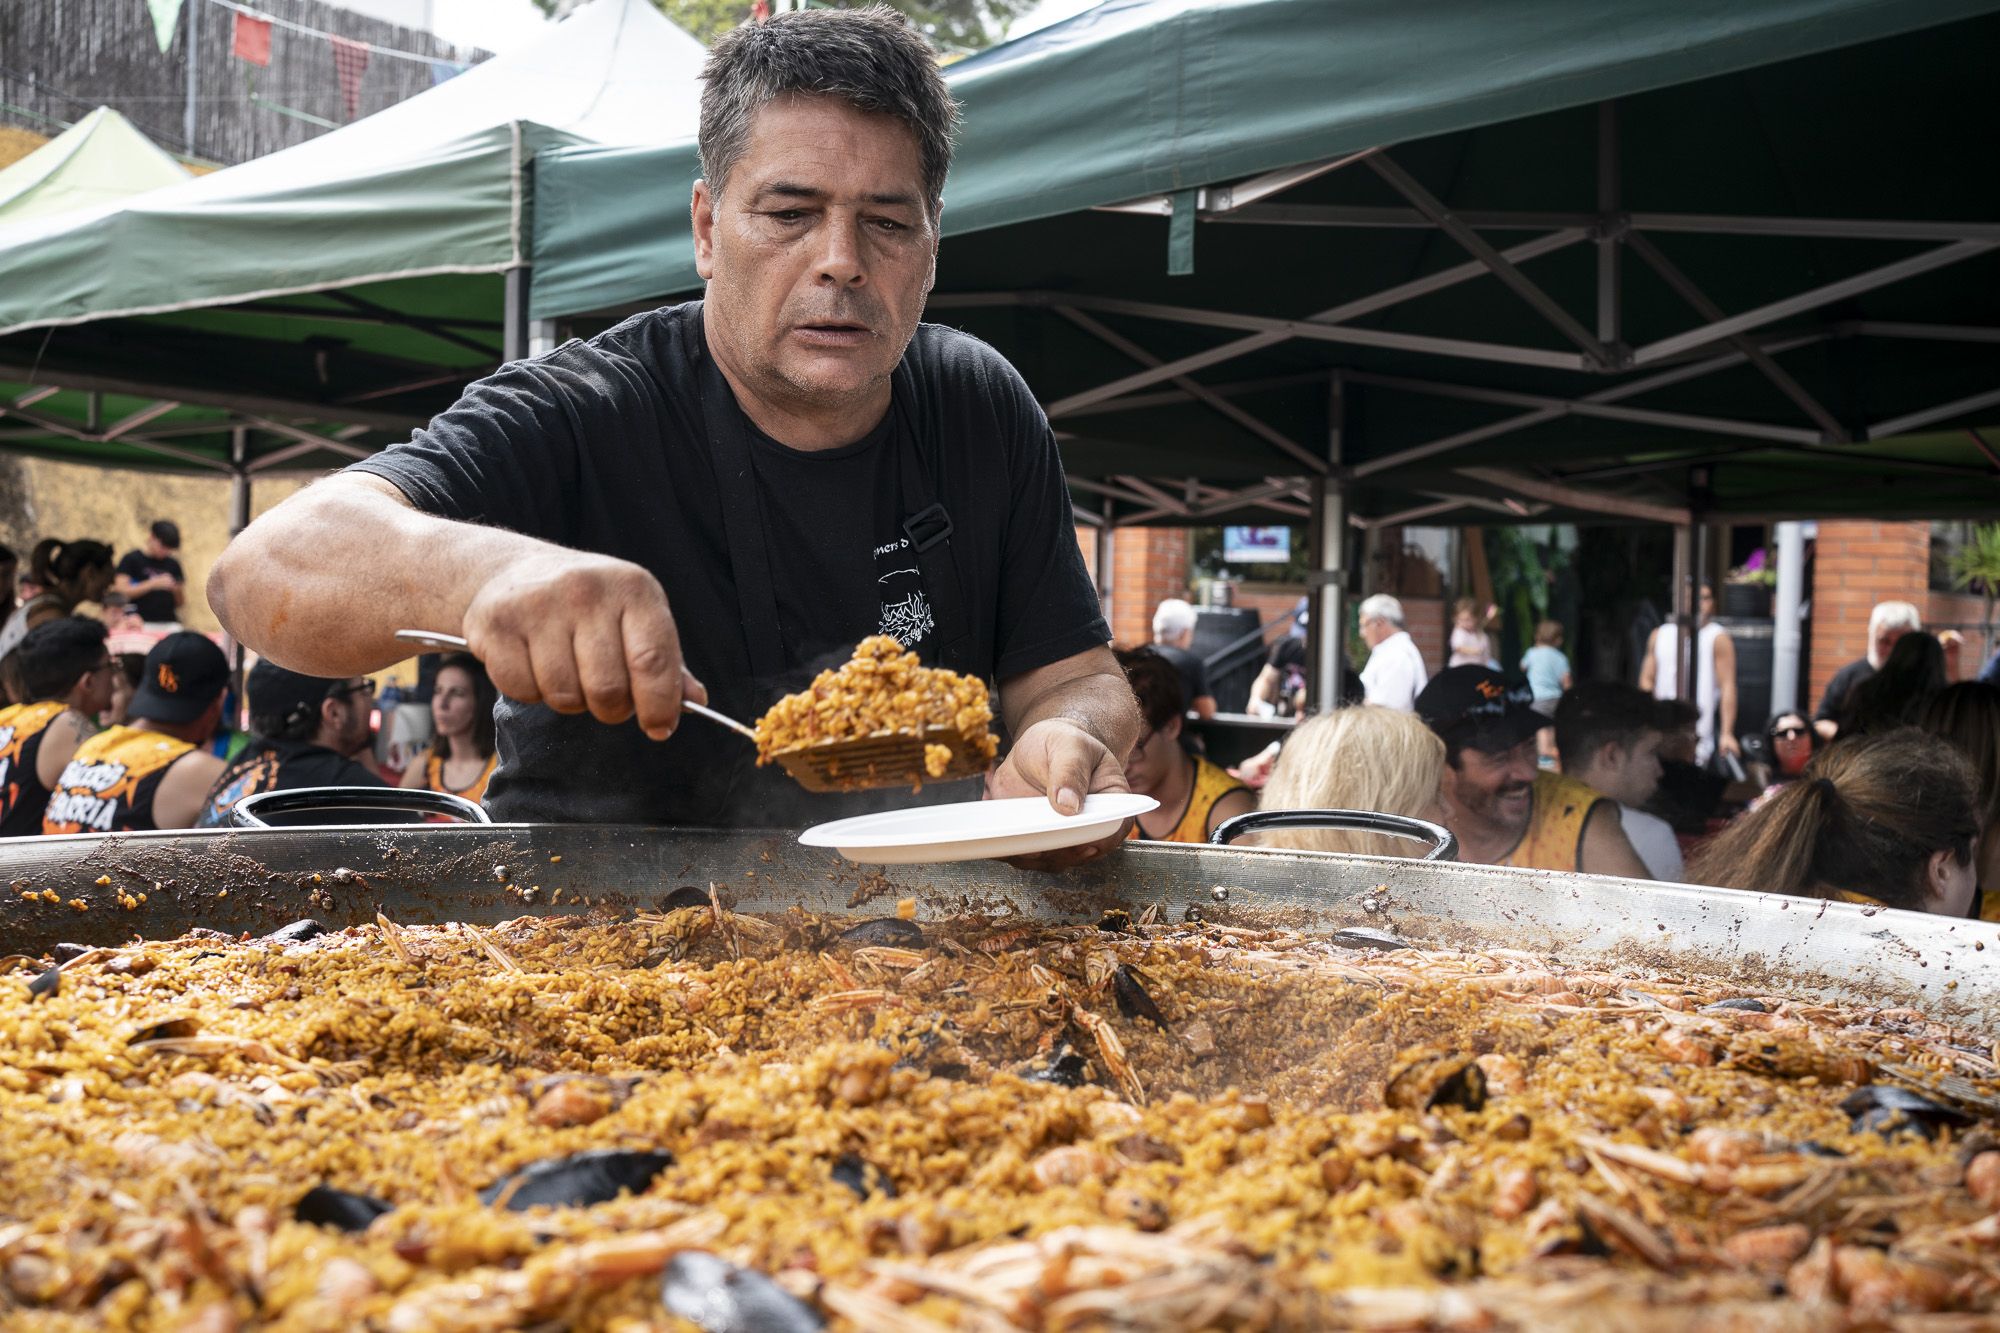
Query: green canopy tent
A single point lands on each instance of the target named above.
(306, 307)
(100, 158)
(1376, 264)
(1454, 261)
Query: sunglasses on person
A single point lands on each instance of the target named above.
(353, 687)
(1788, 733)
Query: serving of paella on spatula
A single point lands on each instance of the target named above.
(882, 719)
(702, 1119)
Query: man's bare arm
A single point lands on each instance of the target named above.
(322, 583)
(1725, 677)
(1606, 850)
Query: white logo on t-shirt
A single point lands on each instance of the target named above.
(909, 621)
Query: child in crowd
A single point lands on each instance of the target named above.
(1471, 644)
(1548, 673)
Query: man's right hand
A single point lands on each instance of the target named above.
(582, 632)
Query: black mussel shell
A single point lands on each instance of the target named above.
(165, 1030)
(1133, 1000)
(577, 1181)
(297, 933)
(1364, 937)
(64, 953)
(325, 1206)
(1742, 1002)
(48, 983)
(863, 1177)
(889, 930)
(1064, 1068)
(1115, 921)
(718, 1297)
(1427, 1077)
(1888, 1109)
(687, 895)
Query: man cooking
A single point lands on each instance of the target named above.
(712, 500)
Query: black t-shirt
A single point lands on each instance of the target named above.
(279, 766)
(602, 446)
(157, 605)
(1191, 669)
(1840, 689)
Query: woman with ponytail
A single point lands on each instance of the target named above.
(1889, 818)
(66, 573)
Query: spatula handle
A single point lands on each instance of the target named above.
(434, 639)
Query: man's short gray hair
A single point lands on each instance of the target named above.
(1887, 616)
(871, 58)
(1382, 607)
(1172, 618)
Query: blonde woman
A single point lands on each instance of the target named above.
(1361, 758)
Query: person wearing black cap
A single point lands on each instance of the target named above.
(66, 679)
(1501, 806)
(151, 577)
(152, 772)
(308, 728)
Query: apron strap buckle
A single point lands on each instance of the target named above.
(927, 528)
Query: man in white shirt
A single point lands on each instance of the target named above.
(1608, 735)
(1395, 672)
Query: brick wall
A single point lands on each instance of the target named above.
(1148, 565)
(1428, 620)
(1857, 564)
(1965, 612)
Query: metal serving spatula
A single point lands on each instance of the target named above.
(883, 759)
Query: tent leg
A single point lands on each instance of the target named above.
(542, 336)
(1104, 571)
(1329, 613)
(514, 343)
(239, 479)
(1787, 638)
(1686, 538)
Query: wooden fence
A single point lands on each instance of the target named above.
(61, 58)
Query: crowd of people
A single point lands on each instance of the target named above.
(1888, 793)
(97, 736)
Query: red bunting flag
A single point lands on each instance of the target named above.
(350, 62)
(252, 40)
(761, 11)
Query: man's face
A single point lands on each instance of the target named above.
(99, 687)
(345, 722)
(1629, 776)
(818, 253)
(1375, 629)
(1493, 789)
(156, 548)
(1707, 603)
(1885, 642)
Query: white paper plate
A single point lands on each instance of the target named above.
(975, 830)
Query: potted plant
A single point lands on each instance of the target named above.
(1746, 590)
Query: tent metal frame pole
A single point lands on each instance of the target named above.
(1599, 355)
(1754, 430)
(239, 479)
(382, 314)
(33, 396)
(1575, 497)
(1329, 661)
(514, 316)
(1882, 328)
(1283, 329)
(1365, 305)
(1925, 416)
(1451, 443)
(1683, 610)
(138, 418)
(1170, 397)
(1610, 229)
(90, 383)
(1683, 285)
(1201, 392)
(1370, 217)
(1884, 276)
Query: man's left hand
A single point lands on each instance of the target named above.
(1059, 759)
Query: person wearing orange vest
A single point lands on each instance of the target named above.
(1194, 795)
(1499, 804)
(153, 772)
(67, 676)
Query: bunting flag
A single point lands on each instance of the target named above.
(251, 41)
(166, 13)
(760, 12)
(350, 62)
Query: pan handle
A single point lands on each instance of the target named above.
(250, 811)
(1443, 846)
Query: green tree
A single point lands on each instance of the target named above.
(953, 26)
(1977, 564)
